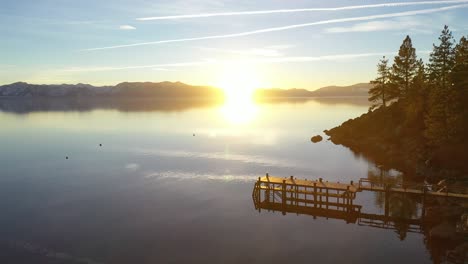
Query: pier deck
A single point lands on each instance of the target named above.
(308, 183)
(305, 186)
(335, 200)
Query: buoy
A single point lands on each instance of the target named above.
(193, 134)
(66, 157)
(100, 145)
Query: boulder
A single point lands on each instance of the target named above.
(316, 138)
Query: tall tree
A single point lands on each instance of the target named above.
(404, 68)
(459, 91)
(442, 59)
(380, 93)
(441, 62)
(460, 69)
(416, 103)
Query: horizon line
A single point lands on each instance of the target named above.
(181, 82)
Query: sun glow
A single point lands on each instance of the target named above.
(239, 83)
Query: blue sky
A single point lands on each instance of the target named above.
(62, 41)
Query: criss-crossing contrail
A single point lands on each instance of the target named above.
(296, 10)
(273, 29)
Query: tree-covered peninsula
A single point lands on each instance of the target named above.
(418, 120)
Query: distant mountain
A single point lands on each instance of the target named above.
(359, 89)
(126, 89)
(166, 90)
(276, 92)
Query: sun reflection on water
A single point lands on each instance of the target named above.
(239, 111)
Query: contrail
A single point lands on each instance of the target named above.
(219, 62)
(273, 29)
(180, 64)
(262, 12)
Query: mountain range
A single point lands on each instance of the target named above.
(165, 90)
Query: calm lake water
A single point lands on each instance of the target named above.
(172, 183)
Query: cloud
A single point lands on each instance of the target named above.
(127, 27)
(383, 25)
(281, 47)
(105, 68)
(132, 166)
(183, 175)
(262, 12)
(236, 157)
(289, 27)
(265, 52)
(336, 57)
(161, 69)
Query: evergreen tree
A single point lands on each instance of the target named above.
(460, 69)
(380, 93)
(441, 60)
(404, 68)
(459, 102)
(416, 103)
(441, 98)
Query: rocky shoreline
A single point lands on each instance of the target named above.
(381, 137)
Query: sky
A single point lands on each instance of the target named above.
(284, 44)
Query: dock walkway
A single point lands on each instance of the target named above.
(321, 198)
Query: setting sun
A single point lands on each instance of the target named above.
(220, 131)
(239, 82)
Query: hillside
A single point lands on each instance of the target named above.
(276, 92)
(126, 89)
(165, 90)
(359, 89)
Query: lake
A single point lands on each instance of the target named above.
(172, 182)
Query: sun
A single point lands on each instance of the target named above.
(238, 82)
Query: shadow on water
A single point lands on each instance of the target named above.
(442, 221)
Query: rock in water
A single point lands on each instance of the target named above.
(316, 139)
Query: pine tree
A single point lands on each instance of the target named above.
(459, 92)
(380, 93)
(460, 69)
(416, 103)
(442, 59)
(441, 62)
(404, 68)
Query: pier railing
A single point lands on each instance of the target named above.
(336, 200)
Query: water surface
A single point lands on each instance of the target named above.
(172, 183)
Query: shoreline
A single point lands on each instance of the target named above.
(380, 137)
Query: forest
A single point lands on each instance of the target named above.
(418, 119)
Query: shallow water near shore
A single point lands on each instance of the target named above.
(172, 183)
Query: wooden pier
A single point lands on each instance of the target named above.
(321, 198)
